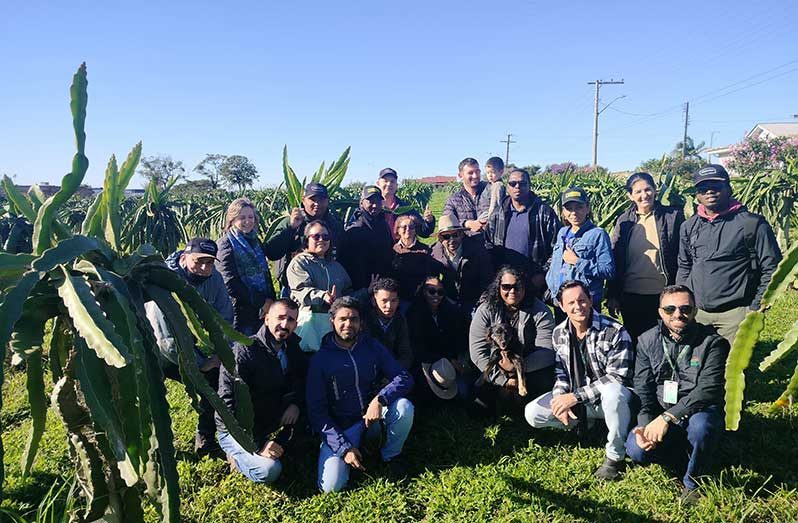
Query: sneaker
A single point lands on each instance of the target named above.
(205, 445)
(610, 470)
(690, 497)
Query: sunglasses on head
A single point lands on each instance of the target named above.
(671, 309)
(319, 237)
(433, 291)
(507, 287)
(516, 183)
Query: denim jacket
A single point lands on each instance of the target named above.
(592, 246)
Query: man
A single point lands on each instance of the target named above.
(367, 249)
(344, 401)
(727, 255)
(384, 323)
(274, 369)
(315, 206)
(594, 370)
(195, 264)
(679, 377)
(467, 265)
(523, 231)
(387, 182)
(471, 202)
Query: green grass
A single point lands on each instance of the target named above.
(463, 469)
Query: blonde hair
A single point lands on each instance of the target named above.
(235, 209)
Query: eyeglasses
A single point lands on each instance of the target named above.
(409, 227)
(517, 183)
(319, 237)
(507, 287)
(684, 309)
(433, 291)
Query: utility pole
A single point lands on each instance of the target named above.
(508, 141)
(686, 121)
(596, 112)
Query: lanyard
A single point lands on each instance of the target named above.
(666, 353)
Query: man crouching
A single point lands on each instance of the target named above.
(594, 363)
(344, 401)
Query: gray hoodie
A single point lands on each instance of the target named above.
(310, 276)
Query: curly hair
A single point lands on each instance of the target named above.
(492, 295)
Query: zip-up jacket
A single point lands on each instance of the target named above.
(592, 246)
(716, 263)
(395, 337)
(342, 382)
(543, 226)
(699, 371)
(367, 248)
(462, 206)
(668, 221)
(465, 282)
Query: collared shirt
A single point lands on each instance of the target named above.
(517, 237)
(610, 357)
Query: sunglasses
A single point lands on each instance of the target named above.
(409, 227)
(517, 183)
(451, 236)
(684, 309)
(704, 187)
(319, 237)
(507, 287)
(433, 291)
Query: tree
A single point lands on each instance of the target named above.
(690, 149)
(211, 168)
(238, 171)
(673, 161)
(161, 169)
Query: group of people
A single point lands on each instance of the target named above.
(502, 313)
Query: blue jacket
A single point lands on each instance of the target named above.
(341, 383)
(595, 264)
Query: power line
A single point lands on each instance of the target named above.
(596, 112)
(508, 141)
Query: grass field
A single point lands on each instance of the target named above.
(462, 469)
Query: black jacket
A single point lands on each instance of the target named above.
(396, 338)
(245, 310)
(716, 262)
(543, 227)
(432, 340)
(701, 382)
(271, 390)
(668, 221)
(286, 242)
(472, 276)
(367, 248)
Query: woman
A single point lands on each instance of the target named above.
(506, 301)
(412, 260)
(315, 280)
(439, 336)
(582, 251)
(645, 244)
(242, 262)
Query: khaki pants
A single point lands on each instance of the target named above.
(726, 322)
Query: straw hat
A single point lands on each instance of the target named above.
(441, 377)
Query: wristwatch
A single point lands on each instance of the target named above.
(667, 416)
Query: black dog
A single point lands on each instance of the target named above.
(507, 348)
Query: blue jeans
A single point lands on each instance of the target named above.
(254, 466)
(695, 441)
(613, 409)
(398, 417)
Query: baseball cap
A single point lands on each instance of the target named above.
(388, 172)
(574, 194)
(711, 172)
(370, 191)
(202, 246)
(316, 189)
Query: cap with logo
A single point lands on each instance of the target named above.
(370, 191)
(316, 189)
(388, 172)
(712, 172)
(201, 246)
(574, 194)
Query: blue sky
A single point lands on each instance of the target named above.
(412, 85)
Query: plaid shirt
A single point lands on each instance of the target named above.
(462, 206)
(609, 355)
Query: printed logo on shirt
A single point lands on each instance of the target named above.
(695, 361)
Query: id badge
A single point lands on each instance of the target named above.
(670, 392)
